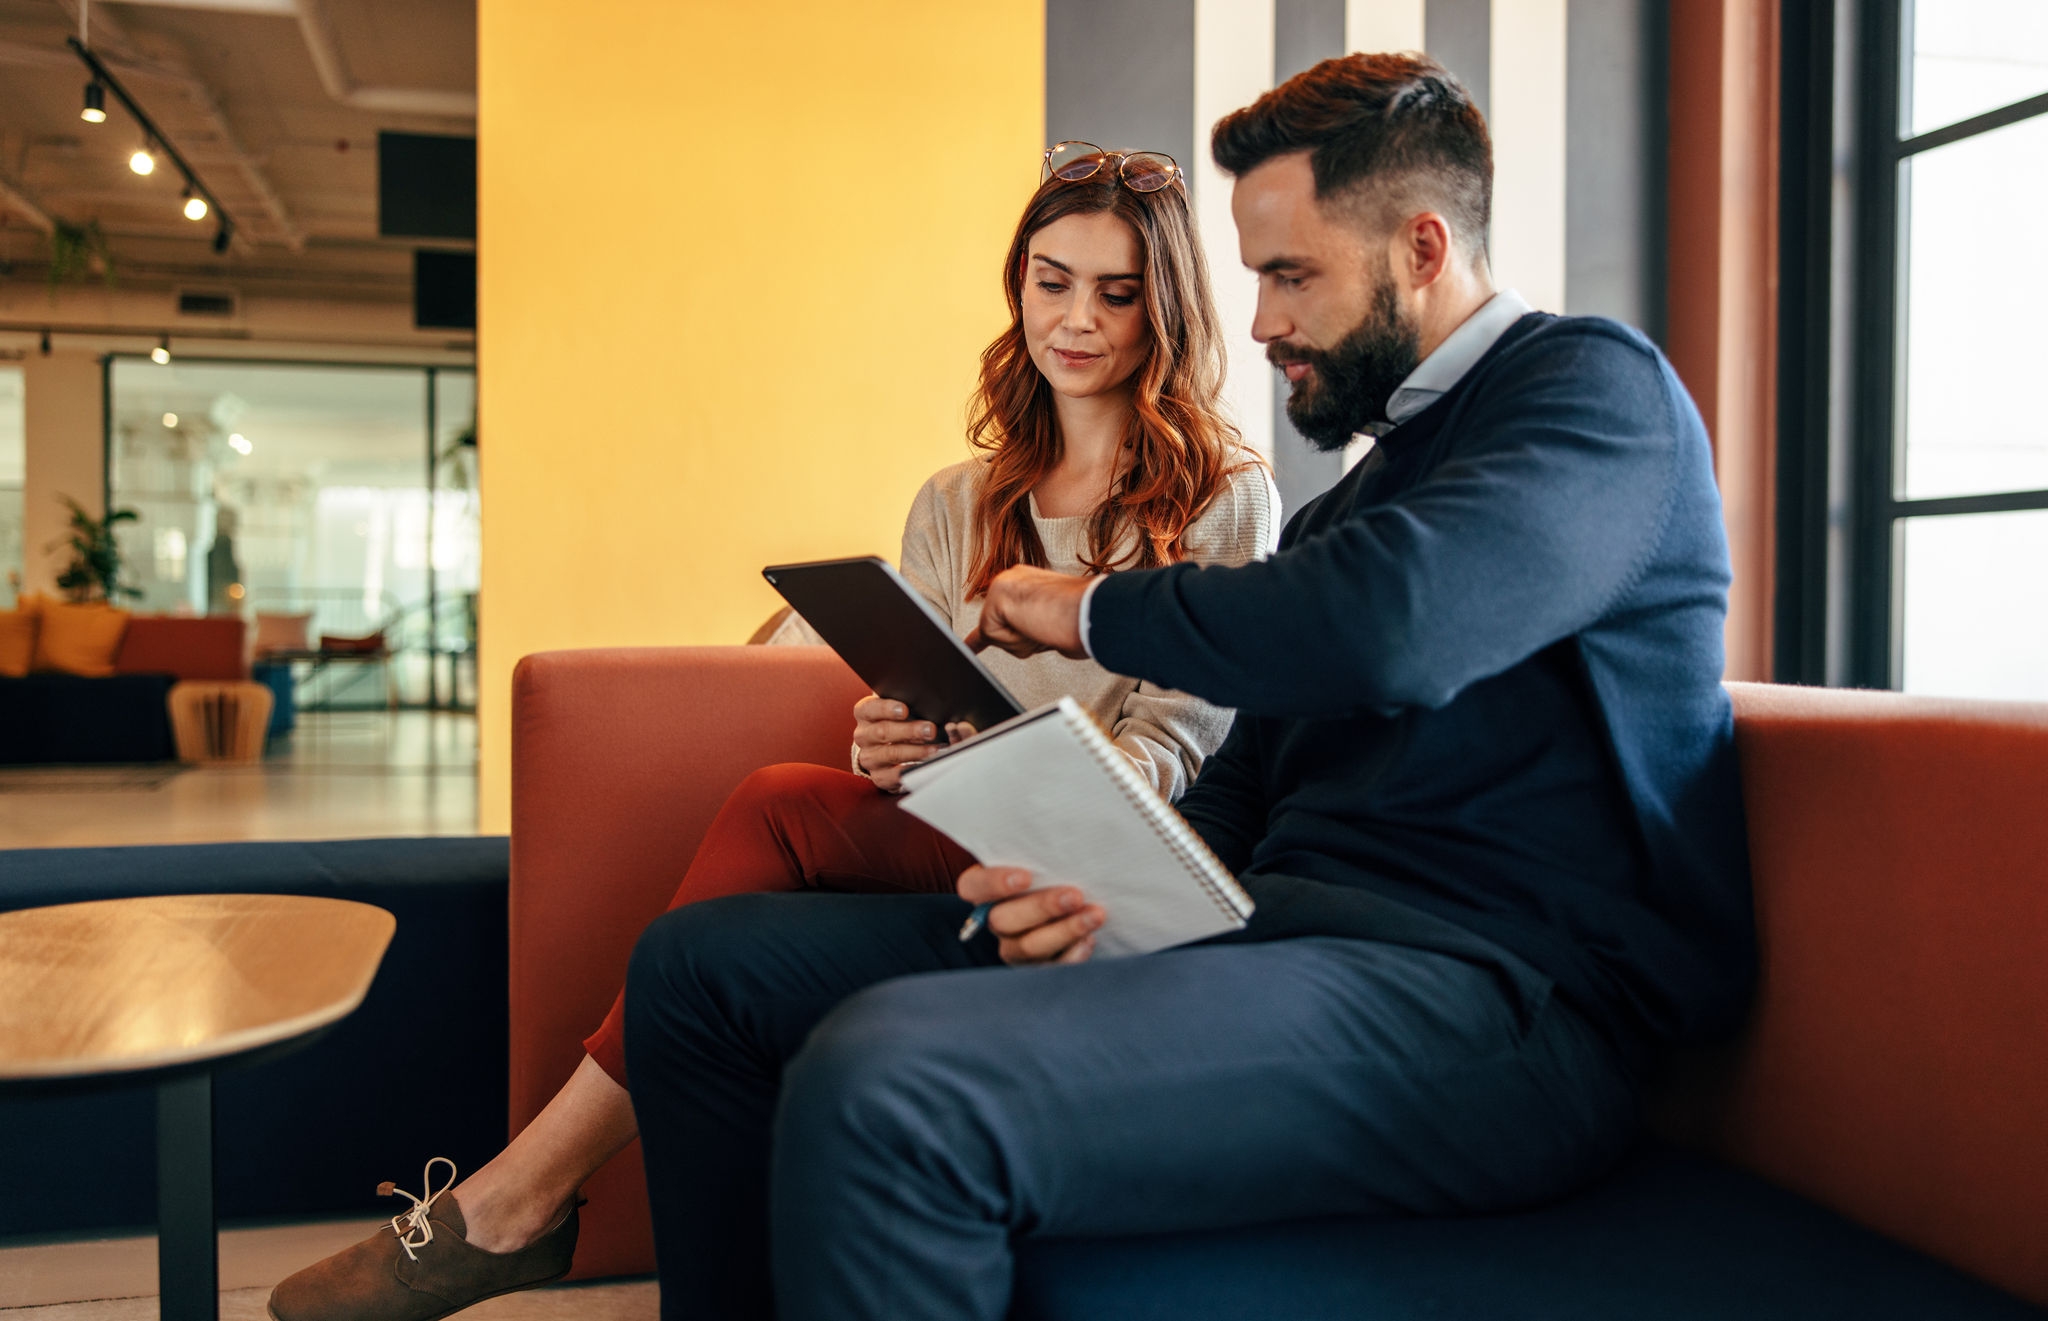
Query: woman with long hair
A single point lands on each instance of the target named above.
(1101, 446)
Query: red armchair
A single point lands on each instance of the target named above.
(1895, 1069)
(620, 759)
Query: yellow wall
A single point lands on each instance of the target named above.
(736, 262)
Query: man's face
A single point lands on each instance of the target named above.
(1330, 313)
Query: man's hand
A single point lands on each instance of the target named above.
(1031, 610)
(1056, 925)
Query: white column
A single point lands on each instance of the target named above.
(1377, 26)
(1528, 123)
(1233, 67)
(64, 455)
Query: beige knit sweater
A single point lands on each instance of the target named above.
(1166, 734)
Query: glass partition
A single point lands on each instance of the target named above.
(288, 492)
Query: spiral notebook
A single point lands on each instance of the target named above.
(1048, 791)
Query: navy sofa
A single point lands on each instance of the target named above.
(61, 718)
(418, 1071)
(1672, 1236)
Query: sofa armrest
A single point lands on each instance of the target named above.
(1896, 1065)
(620, 759)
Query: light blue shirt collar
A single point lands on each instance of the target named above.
(1447, 365)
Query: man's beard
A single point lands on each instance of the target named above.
(1347, 387)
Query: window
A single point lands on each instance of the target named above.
(1913, 456)
(345, 493)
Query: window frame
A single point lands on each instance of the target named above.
(1841, 347)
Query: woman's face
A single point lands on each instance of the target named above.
(1084, 303)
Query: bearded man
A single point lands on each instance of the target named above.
(1481, 786)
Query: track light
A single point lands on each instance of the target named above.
(198, 203)
(161, 354)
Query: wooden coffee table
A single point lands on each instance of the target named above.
(166, 990)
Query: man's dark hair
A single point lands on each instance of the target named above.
(1392, 134)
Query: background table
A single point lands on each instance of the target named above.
(165, 990)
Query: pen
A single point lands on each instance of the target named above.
(975, 921)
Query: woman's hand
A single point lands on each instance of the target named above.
(1055, 925)
(886, 740)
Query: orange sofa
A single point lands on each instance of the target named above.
(1895, 1069)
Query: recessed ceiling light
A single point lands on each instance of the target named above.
(170, 419)
(240, 444)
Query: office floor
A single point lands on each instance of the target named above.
(115, 1279)
(339, 775)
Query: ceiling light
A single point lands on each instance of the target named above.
(170, 419)
(95, 111)
(195, 207)
(240, 443)
(161, 354)
(142, 162)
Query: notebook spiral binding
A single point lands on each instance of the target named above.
(1172, 829)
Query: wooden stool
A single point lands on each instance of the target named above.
(214, 721)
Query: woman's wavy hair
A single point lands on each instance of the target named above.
(1182, 450)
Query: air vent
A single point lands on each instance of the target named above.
(206, 302)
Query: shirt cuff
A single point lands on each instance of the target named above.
(1088, 599)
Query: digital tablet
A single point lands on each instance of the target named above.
(892, 638)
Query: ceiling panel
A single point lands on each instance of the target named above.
(241, 98)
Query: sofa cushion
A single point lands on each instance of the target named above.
(209, 648)
(1671, 1235)
(1896, 1064)
(417, 1071)
(78, 639)
(17, 642)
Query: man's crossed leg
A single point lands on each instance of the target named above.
(845, 1108)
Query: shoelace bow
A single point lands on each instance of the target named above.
(408, 1223)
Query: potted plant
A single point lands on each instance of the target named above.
(94, 573)
(76, 251)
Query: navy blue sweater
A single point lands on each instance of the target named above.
(1481, 678)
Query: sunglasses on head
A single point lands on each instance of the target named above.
(1140, 171)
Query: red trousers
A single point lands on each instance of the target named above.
(802, 827)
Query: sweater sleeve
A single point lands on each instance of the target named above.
(1227, 804)
(1168, 734)
(1544, 517)
(927, 557)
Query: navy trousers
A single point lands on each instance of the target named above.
(846, 1112)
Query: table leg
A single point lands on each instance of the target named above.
(187, 1244)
